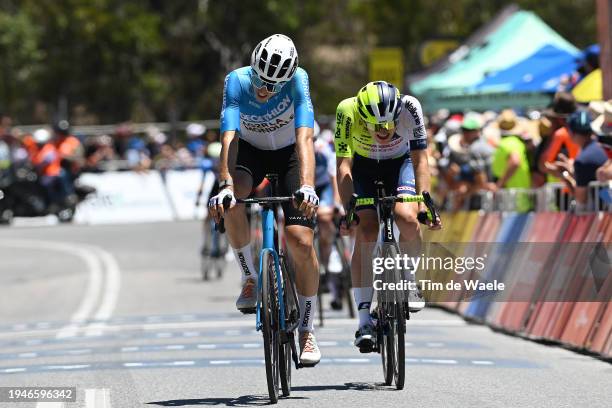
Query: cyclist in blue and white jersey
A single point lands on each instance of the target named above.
(267, 127)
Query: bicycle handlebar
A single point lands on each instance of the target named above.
(220, 226)
(432, 213)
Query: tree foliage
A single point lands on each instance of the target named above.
(164, 60)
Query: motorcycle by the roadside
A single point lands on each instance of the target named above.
(24, 196)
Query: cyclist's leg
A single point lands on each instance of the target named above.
(246, 173)
(361, 262)
(300, 237)
(410, 234)
(325, 222)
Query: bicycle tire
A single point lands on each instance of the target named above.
(269, 318)
(285, 349)
(386, 347)
(399, 331)
(346, 277)
(394, 344)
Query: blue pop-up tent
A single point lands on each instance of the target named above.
(539, 72)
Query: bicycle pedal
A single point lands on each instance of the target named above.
(248, 310)
(307, 365)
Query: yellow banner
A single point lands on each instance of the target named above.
(387, 64)
(433, 50)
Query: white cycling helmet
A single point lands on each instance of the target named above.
(275, 59)
(41, 135)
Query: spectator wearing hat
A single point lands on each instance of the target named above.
(561, 146)
(510, 164)
(591, 157)
(465, 162)
(195, 144)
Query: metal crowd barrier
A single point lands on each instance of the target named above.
(550, 197)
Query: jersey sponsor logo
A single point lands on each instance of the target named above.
(306, 89)
(224, 103)
(307, 310)
(243, 264)
(347, 127)
(407, 188)
(419, 133)
(339, 119)
(267, 127)
(342, 147)
(364, 305)
(279, 109)
(414, 112)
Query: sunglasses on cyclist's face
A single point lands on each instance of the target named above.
(259, 83)
(379, 127)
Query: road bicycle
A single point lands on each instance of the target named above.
(277, 309)
(392, 310)
(214, 251)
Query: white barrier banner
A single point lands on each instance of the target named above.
(183, 188)
(124, 197)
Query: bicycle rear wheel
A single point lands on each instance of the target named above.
(270, 321)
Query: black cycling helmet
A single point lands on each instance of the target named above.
(62, 127)
(580, 122)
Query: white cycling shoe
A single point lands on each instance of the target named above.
(309, 350)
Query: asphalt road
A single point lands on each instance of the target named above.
(120, 313)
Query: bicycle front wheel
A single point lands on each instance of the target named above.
(271, 327)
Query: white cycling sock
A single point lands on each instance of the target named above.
(308, 305)
(363, 300)
(244, 257)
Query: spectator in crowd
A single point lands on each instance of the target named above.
(137, 154)
(602, 126)
(510, 163)
(561, 146)
(465, 164)
(545, 129)
(195, 144)
(98, 151)
(121, 139)
(591, 157)
(166, 159)
(155, 140)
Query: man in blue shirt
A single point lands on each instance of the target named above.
(267, 124)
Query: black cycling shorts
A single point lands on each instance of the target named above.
(397, 176)
(283, 162)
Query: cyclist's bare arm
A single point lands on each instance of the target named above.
(304, 145)
(422, 179)
(344, 174)
(227, 161)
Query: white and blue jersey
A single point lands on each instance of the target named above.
(269, 125)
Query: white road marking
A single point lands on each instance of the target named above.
(97, 398)
(482, 362)
(182, 363)
(66, 367)
(130, 348)
(175, 347)
(14, 370)
(251, 345)
(220, 362)
(207, 346)
(213, 324)
(437, 361)
(112, 286)
(133, 364)
(27, 355)
(89, 257)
